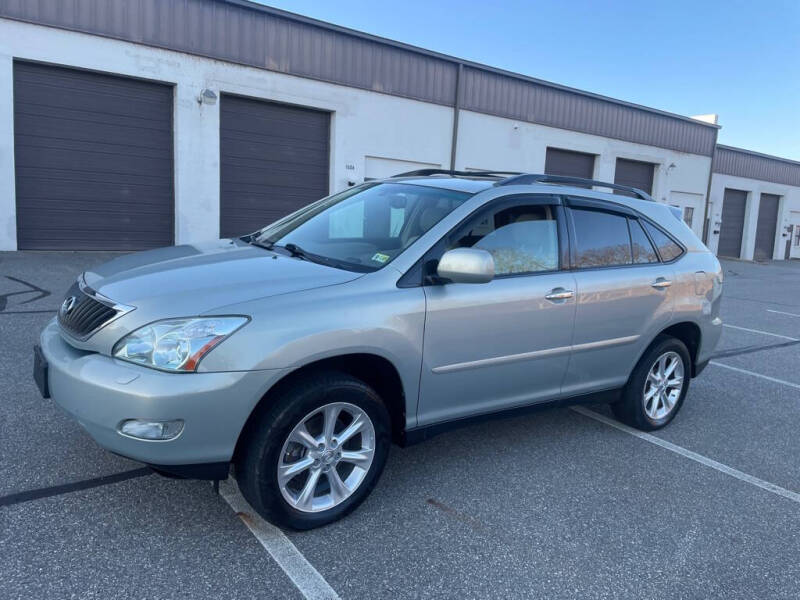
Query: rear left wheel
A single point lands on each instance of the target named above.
(657, 387)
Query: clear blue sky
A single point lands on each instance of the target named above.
(739, 59)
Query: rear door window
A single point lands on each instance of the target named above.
(601, 239)
(643, 251)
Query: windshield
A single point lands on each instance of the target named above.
(363, 228)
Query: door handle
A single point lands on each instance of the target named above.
(661, 283)
(559, 294)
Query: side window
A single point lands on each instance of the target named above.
(601, 239)
(521, 239)
(643, 251)
(668, 249)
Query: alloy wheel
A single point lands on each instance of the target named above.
(663, 386)
(326, 457)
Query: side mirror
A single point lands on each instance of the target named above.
(466, 265)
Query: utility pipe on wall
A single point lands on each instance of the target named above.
(456, 110)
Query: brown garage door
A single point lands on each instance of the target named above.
(273, 160)
(634, 173)
(766, 226)
(730, 232)
(93, 158)
(567, 162)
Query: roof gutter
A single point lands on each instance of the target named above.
(456, 115)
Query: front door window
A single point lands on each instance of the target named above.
(521, 239)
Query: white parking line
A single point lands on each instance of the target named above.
(703, 460)
(777, 335)
(754, 374)
(302, 573)
(780, 312)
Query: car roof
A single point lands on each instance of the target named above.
(458, 184)
(478, 184)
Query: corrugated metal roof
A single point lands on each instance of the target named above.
(255, 35)
(754, 165)
(527, 100)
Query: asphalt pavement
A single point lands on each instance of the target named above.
(552, 505)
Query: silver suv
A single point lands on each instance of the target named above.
(388, 312)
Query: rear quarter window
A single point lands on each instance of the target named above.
(667, 248)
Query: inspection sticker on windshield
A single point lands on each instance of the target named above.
(381, 258)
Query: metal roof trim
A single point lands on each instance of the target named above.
(759, 154)
(242, 32)
(749, 164)
(277, 12)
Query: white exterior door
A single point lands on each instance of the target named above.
(794, 219)
(691, 207)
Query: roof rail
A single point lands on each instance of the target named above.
(427, 172)
(529, 178)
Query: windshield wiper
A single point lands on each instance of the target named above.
(293, 249)
(297, 251)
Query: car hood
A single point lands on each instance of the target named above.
(194, 279)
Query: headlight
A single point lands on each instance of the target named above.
(176, 344)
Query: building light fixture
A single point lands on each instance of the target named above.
(207, 96)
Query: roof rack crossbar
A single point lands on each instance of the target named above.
(427, 172)
(529, 178)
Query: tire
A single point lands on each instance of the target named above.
(638, 410)
(267, 447)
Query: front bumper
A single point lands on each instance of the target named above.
(100, 392)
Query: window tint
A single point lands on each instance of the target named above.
(521, 239)
(601, 239)
(643, 251)
(668, 249)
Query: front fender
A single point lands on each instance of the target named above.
(289, 332)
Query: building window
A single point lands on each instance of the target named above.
(688, 215)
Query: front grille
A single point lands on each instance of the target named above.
(85, 316)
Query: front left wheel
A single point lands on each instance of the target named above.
(317, 453)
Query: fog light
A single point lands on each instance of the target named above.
(152, 430)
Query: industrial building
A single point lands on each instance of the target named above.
(141, 123)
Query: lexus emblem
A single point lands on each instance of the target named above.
(67, 305)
